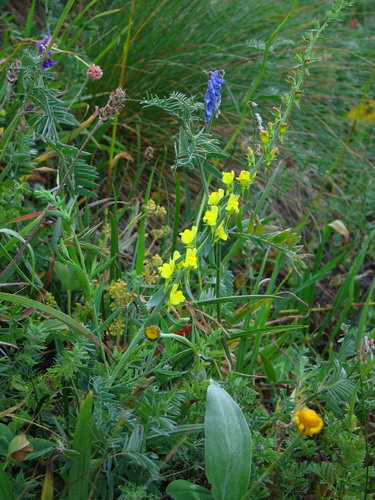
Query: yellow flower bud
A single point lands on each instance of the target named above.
(188, 236)
(215, 197)
(264, 137)
(308, 422)
(250, 156)
(210, 217)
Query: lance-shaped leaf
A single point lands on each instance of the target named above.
(79, 477)
(227, 447)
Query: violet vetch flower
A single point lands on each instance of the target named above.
(212, 99)
(42, 47)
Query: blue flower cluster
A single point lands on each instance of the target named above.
(42, 47)
(212, 99)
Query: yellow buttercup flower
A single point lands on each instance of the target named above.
(188, 236)
(220, 234)
(210, 217)
(152, 332)
(191, 261)
(167, 269)
(215, 197)
(176, 296)
(308, 422)
(228, 178)
(233, 205)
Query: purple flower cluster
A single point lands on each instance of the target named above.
(212, 99)
(42, 47)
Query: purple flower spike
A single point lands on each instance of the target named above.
(212, 99)
(42, 47)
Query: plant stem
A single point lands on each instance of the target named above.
(218, 304)
(176, 211)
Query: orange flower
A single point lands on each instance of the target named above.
(308, 422)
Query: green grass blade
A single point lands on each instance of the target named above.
(82, 443)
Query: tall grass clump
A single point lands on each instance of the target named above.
(186, 242)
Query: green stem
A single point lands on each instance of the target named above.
(177, 209)
(218, 303)
(205, 184)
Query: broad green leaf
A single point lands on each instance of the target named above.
(184, 490)
(228, 445)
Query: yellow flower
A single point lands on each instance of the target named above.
(191, 260)
(308, 422)
(232, 205)
(152, 332)
(210, 217)
(215, 197)
(244, 178)
(176, 256)
(176, 296)
(167, 269)
(228, 178)
(220, 233)
(188, 236)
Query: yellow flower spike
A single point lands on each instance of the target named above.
(220, 234)
(167, 269)
(188, 236)
(176, 296)
(191, 261)
(152, 332)
(210, 217)
(233, 205)
(215, 197)
(308, 422)
(228, 178)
